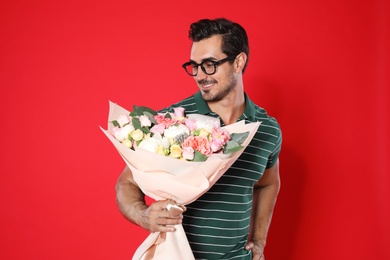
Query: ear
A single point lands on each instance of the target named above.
(240, 62)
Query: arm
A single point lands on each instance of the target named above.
(264, 198)
(131, 203)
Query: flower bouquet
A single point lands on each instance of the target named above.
(189, 155)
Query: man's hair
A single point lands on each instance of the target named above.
(234, 37)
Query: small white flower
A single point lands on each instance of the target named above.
(205, 124)
(173, 131)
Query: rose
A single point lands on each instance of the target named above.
(145, 121)
(202, 132)
(178, 111)
(149, 144)
(216, 144)
(126, 130)
(127, 143)
(220, 133)
(117, 133)
(137, 135)
(123, 120)
(188, 153)
(161, 119)
(190, 123)
(176, 151)
(159, 128)
(162, 151)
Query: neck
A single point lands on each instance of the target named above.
(230, 108)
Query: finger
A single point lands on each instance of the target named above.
(249, 246)
(169, 221)
(166, 228)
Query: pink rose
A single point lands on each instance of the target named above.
(220, 133)
(178, 111)
(188, 153)
(161, 119)
(216, 144)
(157, 129)
(123, 120)
(145, 121)
(190, 123)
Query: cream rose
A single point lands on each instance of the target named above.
(137, 135)
(176, 151)
(127, 143)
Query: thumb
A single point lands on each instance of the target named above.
(249, 245)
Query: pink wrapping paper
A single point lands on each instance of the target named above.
(161, 177)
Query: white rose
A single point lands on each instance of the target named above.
(149, 144)
(126, 130)
(117, 133)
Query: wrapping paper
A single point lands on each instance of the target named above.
(161, 177)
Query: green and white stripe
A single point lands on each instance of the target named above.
(217, 224)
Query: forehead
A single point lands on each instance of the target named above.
(207, 48)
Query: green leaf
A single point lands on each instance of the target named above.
(139, 111)
(167, 115)
(115, 123)
(150, 116)
(145, 129)
(232, 147)
(199, 157)
(136, 123)
(239, 137)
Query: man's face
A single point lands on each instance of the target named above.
(217, 86)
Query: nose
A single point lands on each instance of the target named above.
(201, 75)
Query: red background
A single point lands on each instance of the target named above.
(320, 67)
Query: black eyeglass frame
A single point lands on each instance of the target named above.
(215, 63)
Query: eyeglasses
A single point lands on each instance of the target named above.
(209, 67)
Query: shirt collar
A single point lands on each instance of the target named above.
(204, 109)
(201, 105)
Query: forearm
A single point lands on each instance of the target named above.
(265, 193)
(130, 199)
(264, 200)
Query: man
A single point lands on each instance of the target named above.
(232, 219)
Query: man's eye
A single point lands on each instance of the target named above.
(208, 64)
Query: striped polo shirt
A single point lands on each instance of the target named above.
(217, 224)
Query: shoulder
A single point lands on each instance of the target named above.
(269, 127)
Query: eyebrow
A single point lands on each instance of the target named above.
(207, 58)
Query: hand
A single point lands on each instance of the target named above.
(157, 217)
(257, 250)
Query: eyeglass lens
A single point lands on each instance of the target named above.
(208, 67)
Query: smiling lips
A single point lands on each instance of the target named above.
(206, 83)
